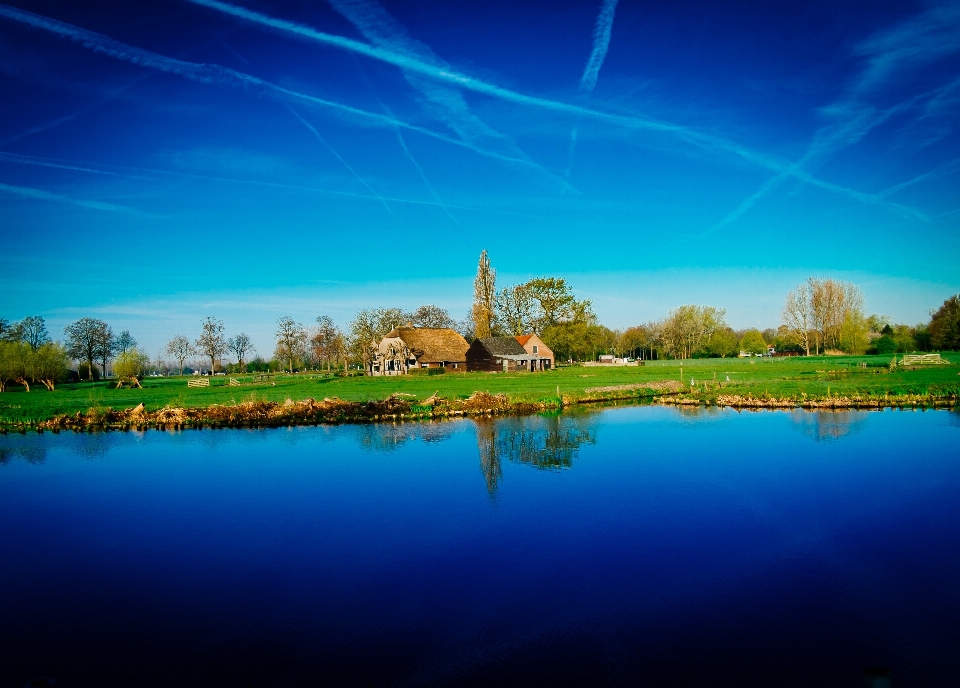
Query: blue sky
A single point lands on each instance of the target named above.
(164, 161)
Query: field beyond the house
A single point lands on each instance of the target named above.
(814, 377)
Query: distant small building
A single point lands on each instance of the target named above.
(501, 354)
(406, 348)
(606, 358)
(534, 346)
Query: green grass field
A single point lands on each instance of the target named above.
(777, 377)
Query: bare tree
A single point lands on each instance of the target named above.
(832, 303)
(291, 341)
(325, 339)
(211, 342)
(432, 316)
(106, 348)
(181, 349)
(516, 309)
(125, 342)
(84, 338)
(484, 297)
(368, 327)
(797, 315)
(240, 346)
(33, 331)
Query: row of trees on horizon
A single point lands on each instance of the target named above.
(819, 315)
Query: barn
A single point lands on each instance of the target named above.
(500, 354)
(406, 348)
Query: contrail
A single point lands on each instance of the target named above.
(407, 62)
(42, 195)
(46, 162)
(79, 113)
(828, 140)
(423, 176)
(601, 41)
(338, 157)
(216, 74)
(946, 168)
(382, 30)
(26, 159)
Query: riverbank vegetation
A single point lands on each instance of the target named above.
(277, 399)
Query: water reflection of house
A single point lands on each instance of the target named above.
(508, 355)
(406, 348)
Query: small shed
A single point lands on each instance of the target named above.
(500, 354)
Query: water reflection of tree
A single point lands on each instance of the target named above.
(30, 452)
(544, 442)
(825, 425)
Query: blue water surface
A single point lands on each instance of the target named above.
(627, 546)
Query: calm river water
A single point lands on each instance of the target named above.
(625, 546)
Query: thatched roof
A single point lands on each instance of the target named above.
(503, 346)
(432, 345)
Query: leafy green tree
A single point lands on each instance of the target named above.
(752, 342)
(7, 363)
(50, 364)
(723, 343)
(945, 325)
(885, 345)
(130, 366)
(854, 333)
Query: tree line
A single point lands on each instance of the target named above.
(818, 316)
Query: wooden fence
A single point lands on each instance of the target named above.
(922, 359)
(199, 382)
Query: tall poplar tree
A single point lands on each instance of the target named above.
(484, 297)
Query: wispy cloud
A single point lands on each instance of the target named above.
(601, 42)
(340, 158)
(908, 46)
(411, 63)
(224, 76)
(42, 195)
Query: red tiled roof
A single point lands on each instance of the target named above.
(523, 339)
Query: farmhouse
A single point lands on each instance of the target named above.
(501, 354)
(534, 346)
(406, 348)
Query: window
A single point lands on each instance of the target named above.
(535, 347)
(424, 365)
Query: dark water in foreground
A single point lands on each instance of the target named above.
(629, 546)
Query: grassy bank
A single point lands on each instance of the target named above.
(813, 382)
